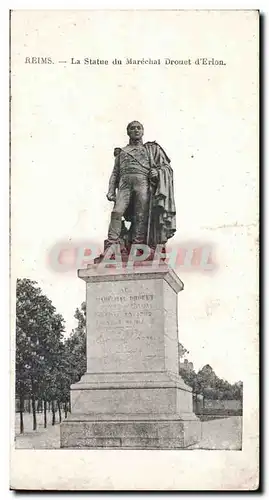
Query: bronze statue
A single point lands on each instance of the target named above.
(141, 187)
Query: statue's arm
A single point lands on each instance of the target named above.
(114, 180)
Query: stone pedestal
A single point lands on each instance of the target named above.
(131, 395)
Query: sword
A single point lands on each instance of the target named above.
(150, 210)
(151, 188)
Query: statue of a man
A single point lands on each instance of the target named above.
(141, 186)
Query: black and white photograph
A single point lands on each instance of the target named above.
(134, 249)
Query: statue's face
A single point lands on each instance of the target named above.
(135, 130)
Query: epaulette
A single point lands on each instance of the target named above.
(117, 151)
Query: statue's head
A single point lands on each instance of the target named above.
(135, 130)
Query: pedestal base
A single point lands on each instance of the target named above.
(136, 433)
(134, 411)
(131, 396)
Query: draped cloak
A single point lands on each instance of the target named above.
(163, 214)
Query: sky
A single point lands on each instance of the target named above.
(67, 119)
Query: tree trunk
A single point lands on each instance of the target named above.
(65, 409)
(59, 411)
(29, 405)
(34, 413)
(53, 412)
(21, 414)
(45, 414)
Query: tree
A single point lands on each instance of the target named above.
(22, 372)
(206, 382)
(53, 352)
(76, 346)
(66, 377)
(39, 334)
(237, 390)
(206, 378)
(189, 378)
(181, 351)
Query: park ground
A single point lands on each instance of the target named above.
(219, 434)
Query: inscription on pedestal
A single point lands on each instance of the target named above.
(124, 327)
(111, 315)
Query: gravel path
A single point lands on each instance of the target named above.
(219, 434)
(41, 438)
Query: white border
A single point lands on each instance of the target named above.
(4, 195)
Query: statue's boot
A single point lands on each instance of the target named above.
(108, 244)
(114, 230)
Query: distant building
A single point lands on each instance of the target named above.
(186, 365)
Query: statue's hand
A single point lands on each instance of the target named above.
(153, 174)
(111, 196)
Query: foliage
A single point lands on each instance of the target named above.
(46, 363)
(75, 346)
(39, 343)
(181, 351)
(207, 383)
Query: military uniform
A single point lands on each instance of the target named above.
(131, 177)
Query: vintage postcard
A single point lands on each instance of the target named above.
(134, 249)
